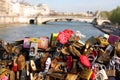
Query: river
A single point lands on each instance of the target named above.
(18, 32)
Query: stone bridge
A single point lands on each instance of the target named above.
(45, 19)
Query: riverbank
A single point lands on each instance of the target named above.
(12, 24)
(109, 29)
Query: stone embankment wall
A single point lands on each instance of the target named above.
(13, 20)
(109, 30)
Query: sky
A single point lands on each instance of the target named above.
(78, 5)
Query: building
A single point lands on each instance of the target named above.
(4, 7)
(15, 8)
(43, 9)
(14, 1)
(29, 10)
(12, 11)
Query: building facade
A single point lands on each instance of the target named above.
(4, 7)
(15, 8)
(12, 11)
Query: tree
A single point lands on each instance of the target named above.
(115, 16)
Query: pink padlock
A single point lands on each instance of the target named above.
(4, 78)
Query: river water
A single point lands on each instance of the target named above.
(18, 32)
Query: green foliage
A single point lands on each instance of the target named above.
(105, 14)
(115, 16)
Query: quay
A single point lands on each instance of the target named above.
(109, 29)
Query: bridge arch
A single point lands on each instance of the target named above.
(106, 22)
(32, 21)
(101, 22)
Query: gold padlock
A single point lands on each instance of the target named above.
(85, 74)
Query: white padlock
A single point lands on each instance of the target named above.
(47, 64)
